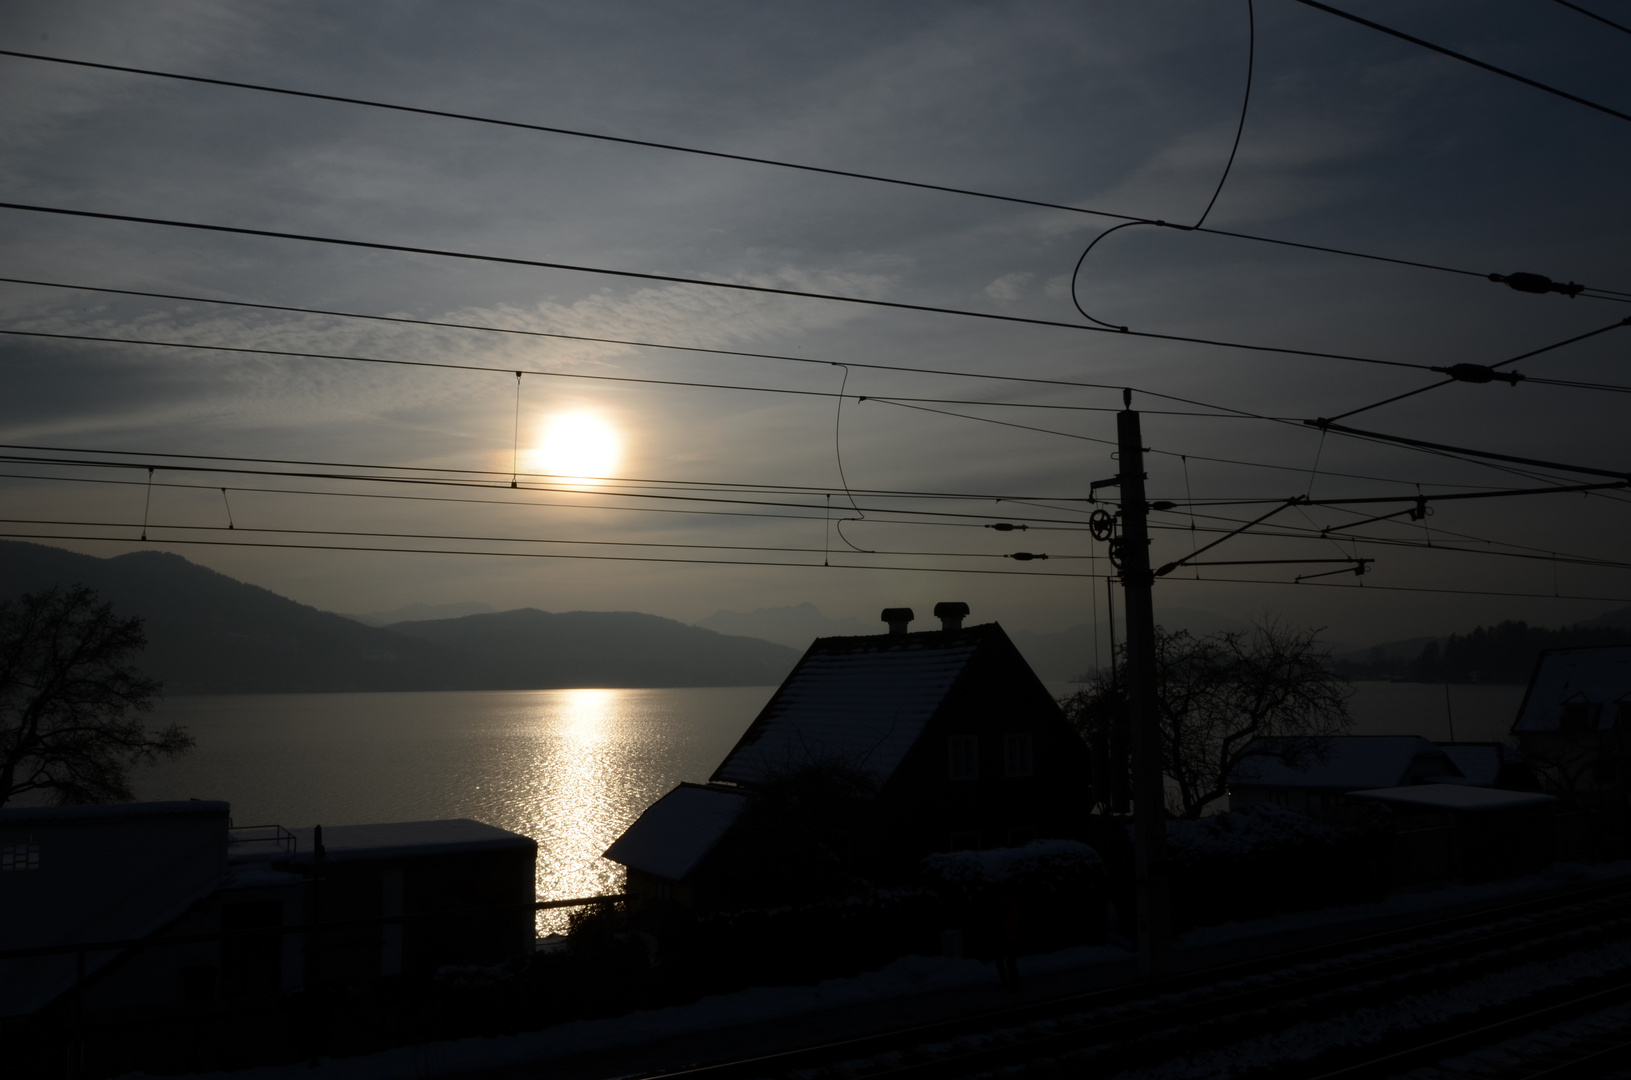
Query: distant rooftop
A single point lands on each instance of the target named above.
(1453, 797)
(42, 815)
(1346, 763)
(862, 701)
(410, 839)
(678, 831)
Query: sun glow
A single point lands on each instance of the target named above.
(578, 446)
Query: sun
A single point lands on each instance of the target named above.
(578, 446)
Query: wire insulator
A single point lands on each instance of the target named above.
(1537, 283)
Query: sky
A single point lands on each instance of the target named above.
(681, 500)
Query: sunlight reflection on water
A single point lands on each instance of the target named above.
(570, 768)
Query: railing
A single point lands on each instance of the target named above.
(81, 948)
(275, 837)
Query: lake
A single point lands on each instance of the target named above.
(570, 768)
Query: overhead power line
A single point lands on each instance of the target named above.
(541, 373)
(753, 160)
(675, 279)
(484, 328)
(1465, 59)
(1423, 444)
(1594, 15)
(376, 549)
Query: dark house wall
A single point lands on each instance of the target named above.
(926, 810)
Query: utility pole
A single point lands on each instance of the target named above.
(1149, 786)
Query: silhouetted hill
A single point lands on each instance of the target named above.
(1506, 652)
(208, 633)
(211, 634)
(532, 648)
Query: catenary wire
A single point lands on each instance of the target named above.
(637, 344)
(769, 549)
(642, 275)
(1039, 524)
(554, 555)
(749, 159)
(1594, 15)
(511, 370)
(1500, 364)
(1464, 58)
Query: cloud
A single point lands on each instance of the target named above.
(1009, 286)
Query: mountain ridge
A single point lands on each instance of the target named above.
(212, 634)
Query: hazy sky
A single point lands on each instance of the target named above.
(1352, 139)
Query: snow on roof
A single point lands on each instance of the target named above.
(46, 815)
(678, 830)
(1453, 797)
(1347, 762)
(1600, 676)
(409, 839)
(862, 701)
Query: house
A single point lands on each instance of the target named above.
(1311, 775)
(945, 740)
(187, 908)
(1465, 833)
(1574, 725)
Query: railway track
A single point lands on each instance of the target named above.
(1523, 971)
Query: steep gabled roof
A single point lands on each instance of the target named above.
(1599, 676)
(678, 831)
(1345, 763)
(859, 701)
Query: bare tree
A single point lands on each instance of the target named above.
(1218, 693)
(69, 701)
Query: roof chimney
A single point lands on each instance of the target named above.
(898, 618)
(951, 614)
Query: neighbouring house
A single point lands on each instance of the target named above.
(1492, 765)
(945, 740)
(1444, 832)
(1311, 775)
(265, 909)
(1574, 725)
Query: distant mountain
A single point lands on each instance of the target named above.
(795, 625)
(210, 634)
(531, 648)
(422, 612)
(1503, 653)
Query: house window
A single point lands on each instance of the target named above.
(963, 759)
(1016, 755)
(19, 857)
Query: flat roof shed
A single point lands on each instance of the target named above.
(1469, 833)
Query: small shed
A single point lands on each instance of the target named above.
(1444, 831)
(73, 874)
(953, 739)
(1311, 775)
(665, 847)
(462, 889)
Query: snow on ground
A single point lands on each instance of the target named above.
(909, 976)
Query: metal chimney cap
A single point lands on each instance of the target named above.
(898, 618)
(951, 614)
